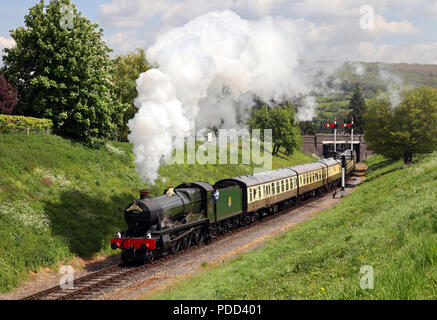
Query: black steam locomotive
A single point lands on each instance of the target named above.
(196, 212)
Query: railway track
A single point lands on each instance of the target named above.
(89, 285)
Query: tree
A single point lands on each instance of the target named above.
(282, 121)
(8, 97)
(63, 71)
(409, 129)
(307, 128)
(127, 70)
(357, 108)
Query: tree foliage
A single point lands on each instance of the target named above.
(357, 108)
(307, 128)
(127, 70)
(8, 97)
(64, 73)
(282, 121)
(409, 129)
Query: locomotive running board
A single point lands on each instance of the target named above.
(183, 235)
(184, 226)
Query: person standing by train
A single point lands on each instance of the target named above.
(216, 194)
(215, 197)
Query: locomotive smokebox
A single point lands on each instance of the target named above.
(145, 194)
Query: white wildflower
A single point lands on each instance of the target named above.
(23, 214)
(114, 150)
(58, 179)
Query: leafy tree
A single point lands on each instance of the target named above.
(406, 130)
(8, 97)
(127, 70)
(307, 128)
(282, 121)
(63, 72)
(357, 108)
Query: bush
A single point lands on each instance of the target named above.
(8, 97)
(17, 124)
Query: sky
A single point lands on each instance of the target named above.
(383, 30)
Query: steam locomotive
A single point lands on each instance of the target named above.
(189, 214)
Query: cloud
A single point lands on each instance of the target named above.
(405, 27)
(5, 43)
(414, 53)
(124, 42)
(132, 13)
(331, 28)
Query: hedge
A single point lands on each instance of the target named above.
(18, 124)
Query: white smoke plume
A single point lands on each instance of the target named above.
(394, 86)
(359, 69)
(308, 109)
(204, 71)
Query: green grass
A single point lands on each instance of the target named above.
(389, 223)
(59, 199)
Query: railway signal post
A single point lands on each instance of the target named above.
(350, 125)
(333, 125)
(343, 157)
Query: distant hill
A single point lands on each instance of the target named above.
(373, 77)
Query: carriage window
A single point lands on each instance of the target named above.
(264, 190)
(288, 184)
(250, 195)
(259, 192)
(254, 193)
(278, 188)
(273, 188)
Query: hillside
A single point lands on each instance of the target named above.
(60, 199)
(373, 77)
(389, 223)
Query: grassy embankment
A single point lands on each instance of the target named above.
(59, 199)
(389, 223)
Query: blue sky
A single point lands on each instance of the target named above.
(404, 30)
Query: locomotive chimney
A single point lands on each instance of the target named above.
(145, 194)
